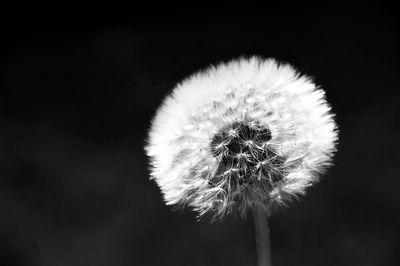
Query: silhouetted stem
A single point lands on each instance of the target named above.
(262, 237)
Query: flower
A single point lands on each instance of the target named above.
(249, 133)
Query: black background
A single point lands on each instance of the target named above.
(78, 91)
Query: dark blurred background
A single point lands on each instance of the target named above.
(78, 91)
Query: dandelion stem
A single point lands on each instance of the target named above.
(262, 237)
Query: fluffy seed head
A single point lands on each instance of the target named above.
(250, 133)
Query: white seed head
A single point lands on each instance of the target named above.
(250, 133)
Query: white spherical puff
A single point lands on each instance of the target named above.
(250, 133)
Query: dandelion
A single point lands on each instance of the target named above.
(250, 134)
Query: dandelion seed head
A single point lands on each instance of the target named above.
(250, 133)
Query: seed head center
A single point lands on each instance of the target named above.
(244, 155)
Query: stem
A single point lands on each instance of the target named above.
(262, 237)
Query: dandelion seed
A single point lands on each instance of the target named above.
(247, 134)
